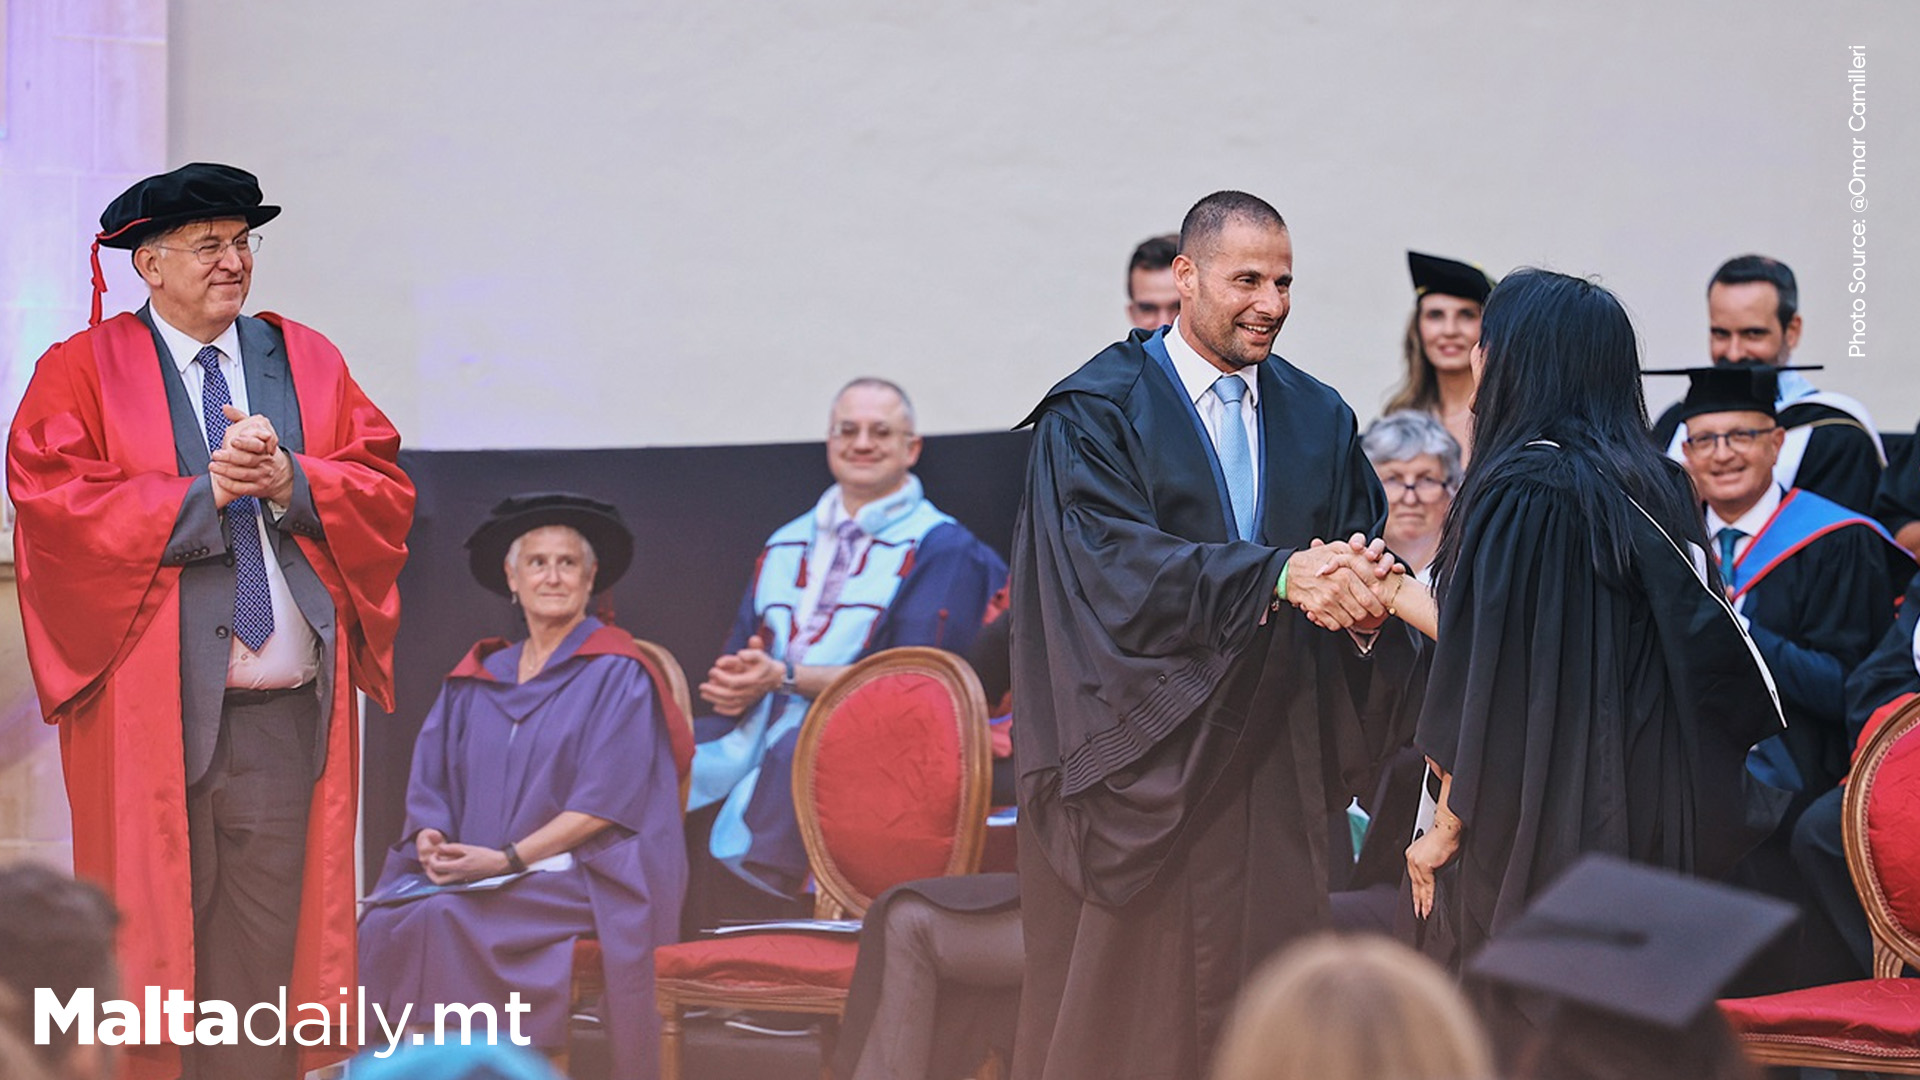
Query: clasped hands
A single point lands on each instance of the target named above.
(249, 462)
(1345, 585)
(739, 679)
(448, 863)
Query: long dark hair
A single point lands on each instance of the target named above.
(1562, 364)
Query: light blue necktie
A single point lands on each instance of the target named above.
(1236, 457)
(1728, 537)
(252, 604)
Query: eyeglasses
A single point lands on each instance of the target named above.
(849, 431)
(214, 250)
(1738, 441)
(1424, 488)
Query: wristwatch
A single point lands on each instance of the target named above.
(787, 685)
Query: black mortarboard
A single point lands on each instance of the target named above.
(1742, 387)
(197, 192)
(1448, 277)
(1632, 941)
(517, 515)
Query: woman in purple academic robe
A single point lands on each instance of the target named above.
(552, 763)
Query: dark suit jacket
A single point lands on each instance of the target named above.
(200, 545)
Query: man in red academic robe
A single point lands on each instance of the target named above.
(211, 523)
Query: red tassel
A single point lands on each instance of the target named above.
(99, 279)
(99, 285)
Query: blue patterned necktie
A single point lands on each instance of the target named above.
(1728, 537)
(252, 604)
(846, 537)
(1236, 457)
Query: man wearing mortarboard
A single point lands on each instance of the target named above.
(211, 525)
(1830, 446)
(1806, 574)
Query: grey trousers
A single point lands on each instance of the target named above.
(925, 947)
(247, 836)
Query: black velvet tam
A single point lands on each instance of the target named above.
(196, 192)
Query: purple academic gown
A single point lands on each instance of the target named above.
(495, 761)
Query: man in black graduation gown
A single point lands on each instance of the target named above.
(1807, 575)
(1182, 733)
(1832, 447)
(1809, 578)
(1896, 503)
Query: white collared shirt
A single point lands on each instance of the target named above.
(1751, 522)
(1197, 377)
(291, 656)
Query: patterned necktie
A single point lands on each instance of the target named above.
(1236, 458)
(846, 537)
(1728, 537)
(252, 605)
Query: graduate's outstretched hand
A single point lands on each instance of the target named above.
(1343, 585)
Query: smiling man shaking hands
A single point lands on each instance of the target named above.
(1183, 734)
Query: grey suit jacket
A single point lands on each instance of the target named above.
(200, 545)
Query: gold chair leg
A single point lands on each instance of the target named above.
(670, 1040)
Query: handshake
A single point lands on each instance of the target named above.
(1348, 584)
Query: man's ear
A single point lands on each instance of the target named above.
(1186, 277)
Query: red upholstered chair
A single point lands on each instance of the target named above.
(589, 976)
(890, 781)
(1870, 1025)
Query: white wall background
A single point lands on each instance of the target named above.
(607, 222)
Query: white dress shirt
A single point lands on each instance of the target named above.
(1197, 377)
(291, 656)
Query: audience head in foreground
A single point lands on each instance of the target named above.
(1352, 1008)
(58, 933)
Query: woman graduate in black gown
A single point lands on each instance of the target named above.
(1591, 690)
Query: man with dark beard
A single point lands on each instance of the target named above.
(1182, 734)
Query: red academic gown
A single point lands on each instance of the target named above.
(91, 467)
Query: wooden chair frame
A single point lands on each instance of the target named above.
(1894, 945)
(590, 980)
(835, 897)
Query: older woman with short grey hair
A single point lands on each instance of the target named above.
(1419, 465)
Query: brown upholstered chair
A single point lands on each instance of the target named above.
(890, 781)
(1868, 1025)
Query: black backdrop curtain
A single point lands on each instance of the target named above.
(699, 515)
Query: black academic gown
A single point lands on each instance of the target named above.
(1841, 461)
(1580, 714)
(1815, 617)
(1896, 502)
(1180, 744)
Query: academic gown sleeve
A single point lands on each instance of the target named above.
(1888, 671)
(1122, 632)
(1842, 464)
(1835, 617)
(1521, 706)
(944, 597)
